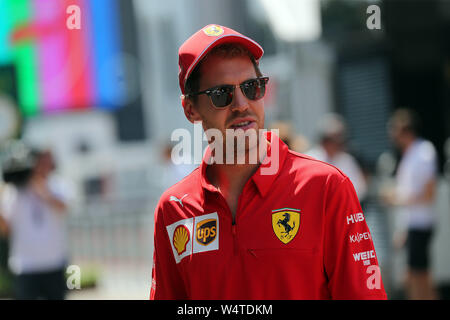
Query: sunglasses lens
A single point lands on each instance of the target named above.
(254, 89)
(221, 97)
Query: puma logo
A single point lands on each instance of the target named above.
(173, 198)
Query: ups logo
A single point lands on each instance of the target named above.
(206, 231)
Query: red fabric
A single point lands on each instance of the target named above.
(324, 260)
(200, 43)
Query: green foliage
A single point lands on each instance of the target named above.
(6, 284)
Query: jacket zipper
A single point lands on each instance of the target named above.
(233, 223)
(233, 220)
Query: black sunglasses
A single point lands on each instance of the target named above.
(222, 96)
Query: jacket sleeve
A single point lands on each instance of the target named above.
(167, 283)
(350, 261)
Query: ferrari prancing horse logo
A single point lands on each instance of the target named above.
(285, 223)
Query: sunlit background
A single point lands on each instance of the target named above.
(105, 99)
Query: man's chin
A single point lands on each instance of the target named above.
(244, 150)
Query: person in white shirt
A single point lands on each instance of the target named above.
(34, 218)
(414, 195)
(331, 149)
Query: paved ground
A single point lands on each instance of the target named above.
(117, 283)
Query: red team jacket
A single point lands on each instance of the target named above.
(298, 234)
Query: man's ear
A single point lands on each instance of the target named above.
(190, 111)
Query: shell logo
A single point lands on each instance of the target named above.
(180, 239)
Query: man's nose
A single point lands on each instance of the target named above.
(240, 102)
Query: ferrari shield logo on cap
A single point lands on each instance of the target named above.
(213, 30)
(285, 223)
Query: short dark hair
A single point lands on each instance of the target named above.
(227, 50)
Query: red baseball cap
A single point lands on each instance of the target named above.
(194, 49)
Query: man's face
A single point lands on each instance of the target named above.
(216, 71)
(45, 164)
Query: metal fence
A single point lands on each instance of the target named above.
(111, 240)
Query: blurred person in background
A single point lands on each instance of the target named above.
(294, 141)
(332, 149)
(414, 195)
(33, 208)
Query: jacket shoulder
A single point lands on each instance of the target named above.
(312, 167)
(186, 185)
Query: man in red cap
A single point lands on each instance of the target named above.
(233, 230)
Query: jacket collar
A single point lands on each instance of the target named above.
(266, 173)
